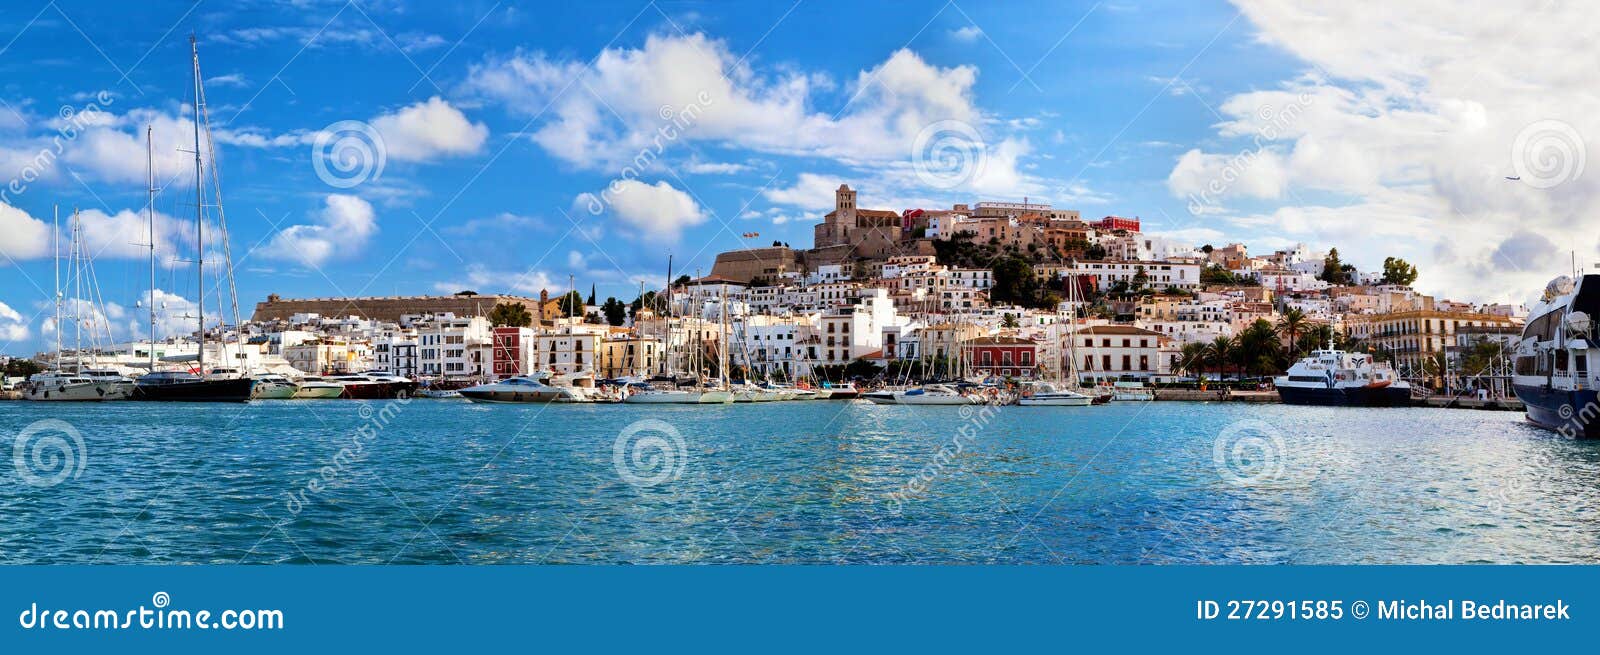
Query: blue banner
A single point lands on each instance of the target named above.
(791, 608)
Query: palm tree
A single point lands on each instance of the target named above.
(1219, 353)
(1258, 347)
(1291, 325)
(1193, 357)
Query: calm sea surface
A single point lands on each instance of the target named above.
(446, 482)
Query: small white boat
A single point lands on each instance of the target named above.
(439, 393)
(838, 391)
(652, 395)
(315, 388)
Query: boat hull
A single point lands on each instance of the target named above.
(378, 390)
(666, 398)
(1387, 396)
(1571, 413)
(197, 391)
(311, 393)
(273, 391)
(87, 391)
(1083, 401)
(511, 396)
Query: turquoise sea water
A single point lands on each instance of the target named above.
(446, 482)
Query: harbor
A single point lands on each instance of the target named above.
(448, 482)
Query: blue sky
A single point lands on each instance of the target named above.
(495, 119)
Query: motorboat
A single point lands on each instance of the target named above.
(928, 394)
(838, 391)
(273, 387)
(520, 389)
(374, 385)
(317, 388)
(1045, 394)
(1335, 377)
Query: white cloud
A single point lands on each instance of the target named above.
(717, 98)
(428, 130)
(13, 327)
(968, 34)
(1403, 128)
(810, 191)
(22, 236)
(484, 280)
(342, 228)
(659, 210)
(231, 79)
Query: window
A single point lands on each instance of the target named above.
(1127, 363)
(1144, 362)
(1105, 362)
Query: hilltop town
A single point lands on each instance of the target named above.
(1005, 289)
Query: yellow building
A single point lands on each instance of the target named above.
(1414, 336)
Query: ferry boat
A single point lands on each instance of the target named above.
(1336, 377)
(1551, 374)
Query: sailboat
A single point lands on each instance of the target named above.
(77, 384)
(1057, 392)
(666, 391)
(187, 385)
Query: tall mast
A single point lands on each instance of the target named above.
(199, 210)
(666, 317)
(150, 213)
(55, 262)
(74, 268)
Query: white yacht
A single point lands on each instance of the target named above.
(1045, 394)
(1554, 373)
(273, 386)
(61, 386)
(1336, 377)
(316, 387)
(520, 389)
(1130, 391)
(930, 394)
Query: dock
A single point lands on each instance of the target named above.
(1466, 402)
(1218, 395)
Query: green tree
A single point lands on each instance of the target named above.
(615, 311)
(1219, 353)
(510, 314)
(1141, 279)
(21, 368)
(1014, 282)
(1398, 271)
(1009, 320)
(1334, 271)
(571, 304)
(1193, 358)
(1258, 349)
